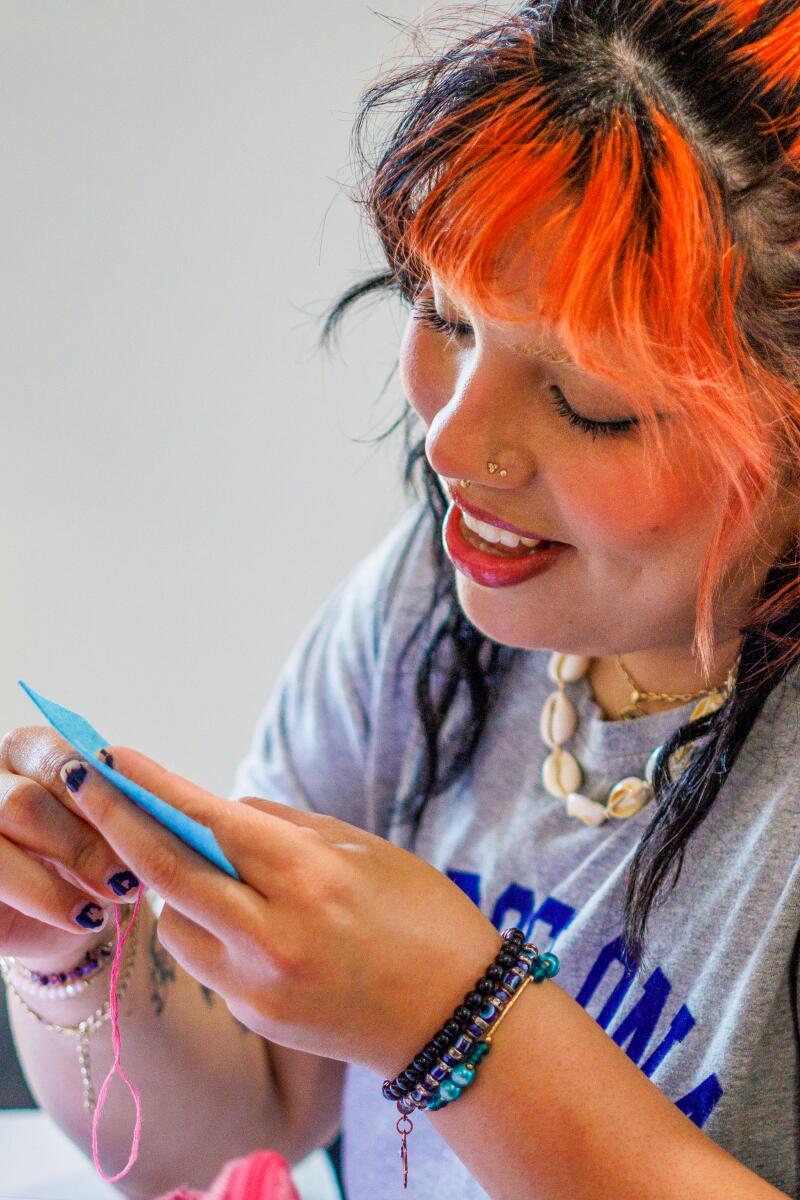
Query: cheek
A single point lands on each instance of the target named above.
(424, 375)
(618, 507)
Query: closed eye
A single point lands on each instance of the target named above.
(622, 425)
(426, 313)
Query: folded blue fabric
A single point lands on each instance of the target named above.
(87, 741)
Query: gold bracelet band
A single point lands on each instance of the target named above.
(85, 1027)
(509, 1004)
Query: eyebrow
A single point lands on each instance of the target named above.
(534, 350)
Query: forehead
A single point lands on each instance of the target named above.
(532, 338)
(518, 276)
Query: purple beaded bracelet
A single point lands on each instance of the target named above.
(91, 962)
(473, 1032)
(63, 984)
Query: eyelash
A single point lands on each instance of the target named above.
(424, 311)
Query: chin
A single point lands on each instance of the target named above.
(552, 624)
(516, 625)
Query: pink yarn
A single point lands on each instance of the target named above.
(117, 1064)
(263, 1175)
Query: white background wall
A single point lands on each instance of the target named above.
(180, 489)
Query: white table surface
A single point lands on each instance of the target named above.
(39, 1162)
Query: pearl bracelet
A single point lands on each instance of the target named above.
(62, 985)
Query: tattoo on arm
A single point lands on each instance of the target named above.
(208, 996)
(162, 972)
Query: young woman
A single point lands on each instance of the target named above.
(560, 694)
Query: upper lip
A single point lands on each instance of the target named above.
(483, 514)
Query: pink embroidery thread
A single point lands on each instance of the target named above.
(117, 1040)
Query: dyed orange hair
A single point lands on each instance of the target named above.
(672, 178)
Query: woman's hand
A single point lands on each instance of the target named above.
(333, 941)
(54, 867)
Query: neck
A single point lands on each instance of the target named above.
(669, 670)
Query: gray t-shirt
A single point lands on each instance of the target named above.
(711, 1024)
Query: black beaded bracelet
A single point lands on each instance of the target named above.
(454, 1028)
(475, 1031)
(520, 964)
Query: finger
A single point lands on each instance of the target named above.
(25, 938)
(260, 844)
(32, 818)
(201, 954)
(329, 827)
(39, 753)
(35, 891)
(184, 879)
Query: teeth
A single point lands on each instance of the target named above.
(490, 533)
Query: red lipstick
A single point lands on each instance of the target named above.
(483, 514)
(493, 569)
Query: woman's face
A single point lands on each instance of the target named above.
(629, 578)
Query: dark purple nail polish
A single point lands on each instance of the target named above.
(75, 777)
(107, 758)
(123, 882)
(91, 916)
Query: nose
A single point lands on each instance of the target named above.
(460, 444)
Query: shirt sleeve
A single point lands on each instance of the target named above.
(312, 741)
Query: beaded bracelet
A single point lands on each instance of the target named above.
(418, 1087)
(529, 965)
(61, 985)
(414, 1073)
(545, 966)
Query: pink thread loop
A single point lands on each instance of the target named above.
(117, 1040)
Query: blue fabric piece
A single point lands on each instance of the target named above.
(87, 741)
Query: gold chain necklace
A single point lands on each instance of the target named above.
(632, 709)
(562, 774)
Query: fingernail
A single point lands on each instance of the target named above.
(107, 758)
(90, 916)
(123, 882)
(73, 773)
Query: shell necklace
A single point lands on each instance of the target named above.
(562, 774)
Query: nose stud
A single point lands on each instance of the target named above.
(491, 467)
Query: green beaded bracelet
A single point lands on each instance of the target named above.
(461, 1076)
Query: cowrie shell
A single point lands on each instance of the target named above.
(651, 765)
(558, 720)
(566, 668)
(628, 796)
(708, 704)
(680, 757)
(561, 773)
(586, 810)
